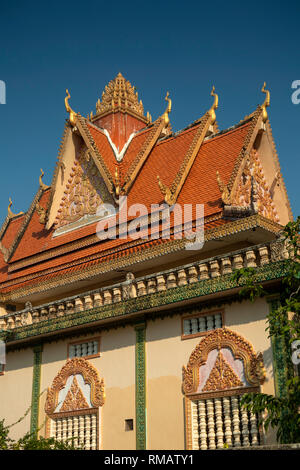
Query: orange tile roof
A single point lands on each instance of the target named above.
(217, 153)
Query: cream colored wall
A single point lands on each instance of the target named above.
(167, 353)
(16, 390)
(116, 365)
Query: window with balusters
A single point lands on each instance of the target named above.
(80, 428)
(222, 422)
(198, 325)
(221, 369)
(85, 349)
(73, 404)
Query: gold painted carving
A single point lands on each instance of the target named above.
(75, 399)
(266, 103)
(76, 365)
(42, 185)
(119, 95)
(212, 111)
(168, 110)
(9, 211)
(82, 192)
(253, 171)
(217, 339)
(221, 376)
(72, 114)
(225, 194)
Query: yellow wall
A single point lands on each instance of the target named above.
(16, 390)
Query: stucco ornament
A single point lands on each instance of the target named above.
(76, 365)
(222, 376)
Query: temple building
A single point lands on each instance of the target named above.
(121, 332)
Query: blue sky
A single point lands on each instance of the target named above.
(183, 47)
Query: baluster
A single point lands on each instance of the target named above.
(141, 288)
(211, 424)
(203, 269)
(81, 431)
(195, 433)
(10, 322)
(182, 281)
(219, 423)
(238, 262)
(69, 429)
(171, 281)
(218, 320)
(3, 325)
(61, 310)
(98, 301)
(202, 323)
(78, 305)
(52, 311)
(245, 430)
(70, 307)
(35, 316)
(117, 294)
(186, 327)
(44, 315)
(210, 322)
(226, 266)
(58, 429)
(107, 297)
(193, 274)
(84, 349)
(75, 428)
(88, 303)
(151, 286)
(214, 269)
(87, 432)
(161, 283)
(194, 322)
(227, 421)
(253, 430)
(235, 421)
(72, 351)
(94, 433)
(264, 255)
(202, 423)
(18, 321)
(251, 259)
(64, 429)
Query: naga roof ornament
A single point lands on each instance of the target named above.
(72, 114)
(9, 211)
(266, 103)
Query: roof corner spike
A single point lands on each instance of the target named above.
(266, 103)
(214, 106)
(72, 114)
(168, 109)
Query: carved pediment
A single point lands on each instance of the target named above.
(222, 376)
(75, 399)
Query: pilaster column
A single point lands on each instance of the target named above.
(36, 383)
(140, 386)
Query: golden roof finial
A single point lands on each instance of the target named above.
(168, 109)
(42, 185)
(266, 103)
(117, 182)
(214, 106)
(9, 211)
(72, 114)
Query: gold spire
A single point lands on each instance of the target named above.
(72, 114)
(266, 103)
(168, 109)
(9, 211)
(214, 106)
(120, 95)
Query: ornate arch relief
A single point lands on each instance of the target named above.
(75, 399)
(234, 364)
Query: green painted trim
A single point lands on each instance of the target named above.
(195, 291)
(140, 387)
(36, 384)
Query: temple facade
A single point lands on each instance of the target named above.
(119, 309)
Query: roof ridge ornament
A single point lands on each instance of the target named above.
(42, 185)
(72, 114)
(168, 109)
(266, 103)
(214, 106)
(9, 211)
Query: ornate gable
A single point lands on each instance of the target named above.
(75, 400)
(222, 376)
